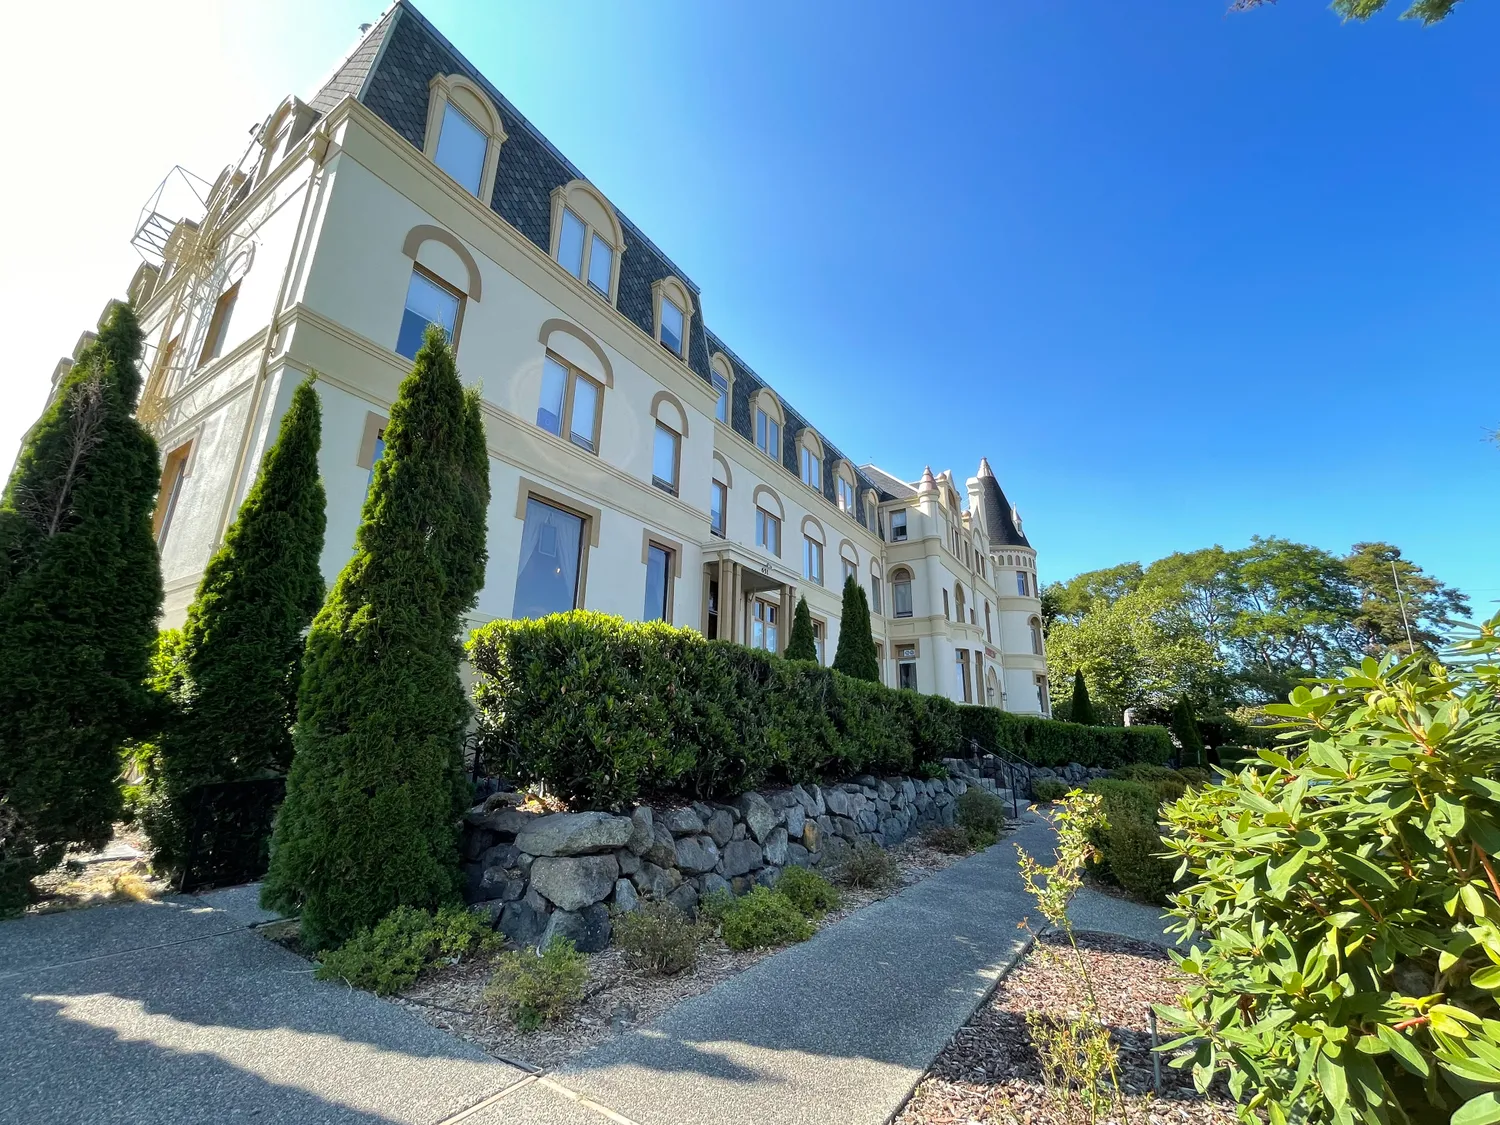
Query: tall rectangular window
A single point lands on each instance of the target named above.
(551, 557)
(601, 264)
(846, 495)
(583, 423)
(658, 583)
(768, 434)
(880, 660)
(718, 500)
(460, 149)
(875, 594)
(172, 475)
(763, 626)
(907, 675)
(428, 301)
(961, 674)
(768, 531)
(549, 412)
(570, 243)
(819, 642)
(721, 388)
(851, 570)
(1021, 583)
(812, 469)
(218, 324)
(898, 525)
(1042, 698)
(672, 321)
(901, 595)
(989, 633)
(664, 455)
(569, 403)
(812, 560)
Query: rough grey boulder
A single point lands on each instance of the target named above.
(656, 882)
(626, 899)
(642, 830)
(663, 849)
(630, 863)
(685, 898)
(582, 833)
(811, 799)
(760, 818)
(587, 929)
(838, 802)
(681, 822)
(741, 857)
(498, 883)
(505, 823)
(697, 854)
(573, 882)
(775, 847)
(796, 856)
(796, 817)
(720, 826)
(768, 876)
(843, 826)
(501, 855)
(522, 922)
(708, 884)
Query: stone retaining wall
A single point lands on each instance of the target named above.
(537, 876)
(986, 771)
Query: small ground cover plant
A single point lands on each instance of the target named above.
(981, 815)
(537, 988)
(808, 891)
(1049, 789)
(658, 939)
(868, 866)
(1345, 903)
(950, 839)
(763, 918)
(391, 955)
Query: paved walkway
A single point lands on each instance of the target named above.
(1102, 913)
(178, 1012)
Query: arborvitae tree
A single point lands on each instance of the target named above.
(1185, 727)
(802, 644)
(856, 652)
(1083, 710)
(377, 787)
(241, 653)
(80, 590)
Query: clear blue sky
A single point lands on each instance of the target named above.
(1183, 276)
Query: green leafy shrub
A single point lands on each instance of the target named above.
(1344, 902)
(80, 591)
(605, 710)
(658, 939)
(391, 955)
(533, 989)
(1129, 844)
(1047, 742)
(869, 866)
(950, 839)
(764, 918)
(1196, 775)
(808, 891)
(377, 789)
(1122, 801)
(981, 815)
(713, 906)
(1049, 789)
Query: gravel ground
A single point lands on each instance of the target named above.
(990, 1074)
(617, 997)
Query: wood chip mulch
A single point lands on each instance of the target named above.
(616, 996)
(990, 1074)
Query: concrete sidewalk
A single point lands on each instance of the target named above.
(838, 1029)
(175, 1011)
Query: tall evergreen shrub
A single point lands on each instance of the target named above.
(241, 653)
(1185, 727)
(802, 644)
(377, 787)
(1083, 709)
(856, 652)
(80, 590)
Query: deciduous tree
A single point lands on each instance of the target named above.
(1422, 603)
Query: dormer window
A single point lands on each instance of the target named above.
(601, 265)
(460, 149)
(846, 495)
(671, 326)
(570, 242)
(722, 377)
(464, 133)
(812, 469)
(767, 425)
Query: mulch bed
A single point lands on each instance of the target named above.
(990, 1074)
(616, 996)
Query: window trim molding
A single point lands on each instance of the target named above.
(673, 287)
(575, 373)
(672, 487)
(614, 237)
(723, 462)
(375, 422)
(439, 94)
(667, 396)
(915, 644)
(721, 365)
(762, 400)
(810, 440)
(822, 536)
(458, 316)
(527, 489)
(568, 328)
(649, 537)
(779, 511)
(411, 245)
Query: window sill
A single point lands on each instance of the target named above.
(669, 489)
(716, 534)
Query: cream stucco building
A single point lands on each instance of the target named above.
(638, 465)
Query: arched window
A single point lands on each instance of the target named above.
(575, 377)
(666, 452)
(464, 133)
(718, 500)
(872, 515)
(843, 486)
(673, 306)
(768, 422)
(810, 459)
(958, 602)
(587, 239)
(722, 375)
(901, 591)
(876, 604)
(1036, 635)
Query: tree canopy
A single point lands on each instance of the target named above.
(1229, 627)
(1428, 11)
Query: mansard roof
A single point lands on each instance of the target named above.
(389, 71)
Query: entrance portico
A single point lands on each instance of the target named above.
(747, 598)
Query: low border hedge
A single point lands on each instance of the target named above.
(606, 711)
(1050, 742)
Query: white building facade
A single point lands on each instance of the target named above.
(637, 465)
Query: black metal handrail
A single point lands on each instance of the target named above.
(1014, 762)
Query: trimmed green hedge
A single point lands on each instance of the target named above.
(606, 711)
(1048, 742)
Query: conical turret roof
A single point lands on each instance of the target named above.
(996, 512)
